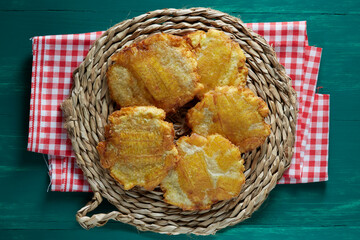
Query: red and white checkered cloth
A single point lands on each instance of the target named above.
(308, 102)
(289, 40)
(54, 60)
(316, 148)
(66, 176)
(56, 57)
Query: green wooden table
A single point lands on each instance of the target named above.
(327, 210)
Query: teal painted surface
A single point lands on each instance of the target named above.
(328, 210)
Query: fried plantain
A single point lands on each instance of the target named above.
(221, 61)
(210, 169)
(233, 112)
(160, 70)
(139, 148)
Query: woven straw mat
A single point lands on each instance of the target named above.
(87, 109)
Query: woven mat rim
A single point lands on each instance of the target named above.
(100, 191)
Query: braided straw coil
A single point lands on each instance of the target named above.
(87, 109)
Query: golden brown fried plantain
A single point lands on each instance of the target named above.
(234, 112)
(220, 60)
(160, 70)
(139, 148)
(210, 169)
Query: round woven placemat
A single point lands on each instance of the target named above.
(89, 105)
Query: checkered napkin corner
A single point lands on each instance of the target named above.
(66, 176)
(289, 40)
(54, 60)
(315, 164)
(315, 167)
(311, 71)
(311, 67)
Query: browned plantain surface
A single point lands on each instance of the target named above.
(210, 169)
(220, 60)
(234, 112)
(160, 70)
(139, 148)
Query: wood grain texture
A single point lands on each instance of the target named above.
(328, 210)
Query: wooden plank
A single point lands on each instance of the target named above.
(313, 211)
(129, 232)
(266, 6)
